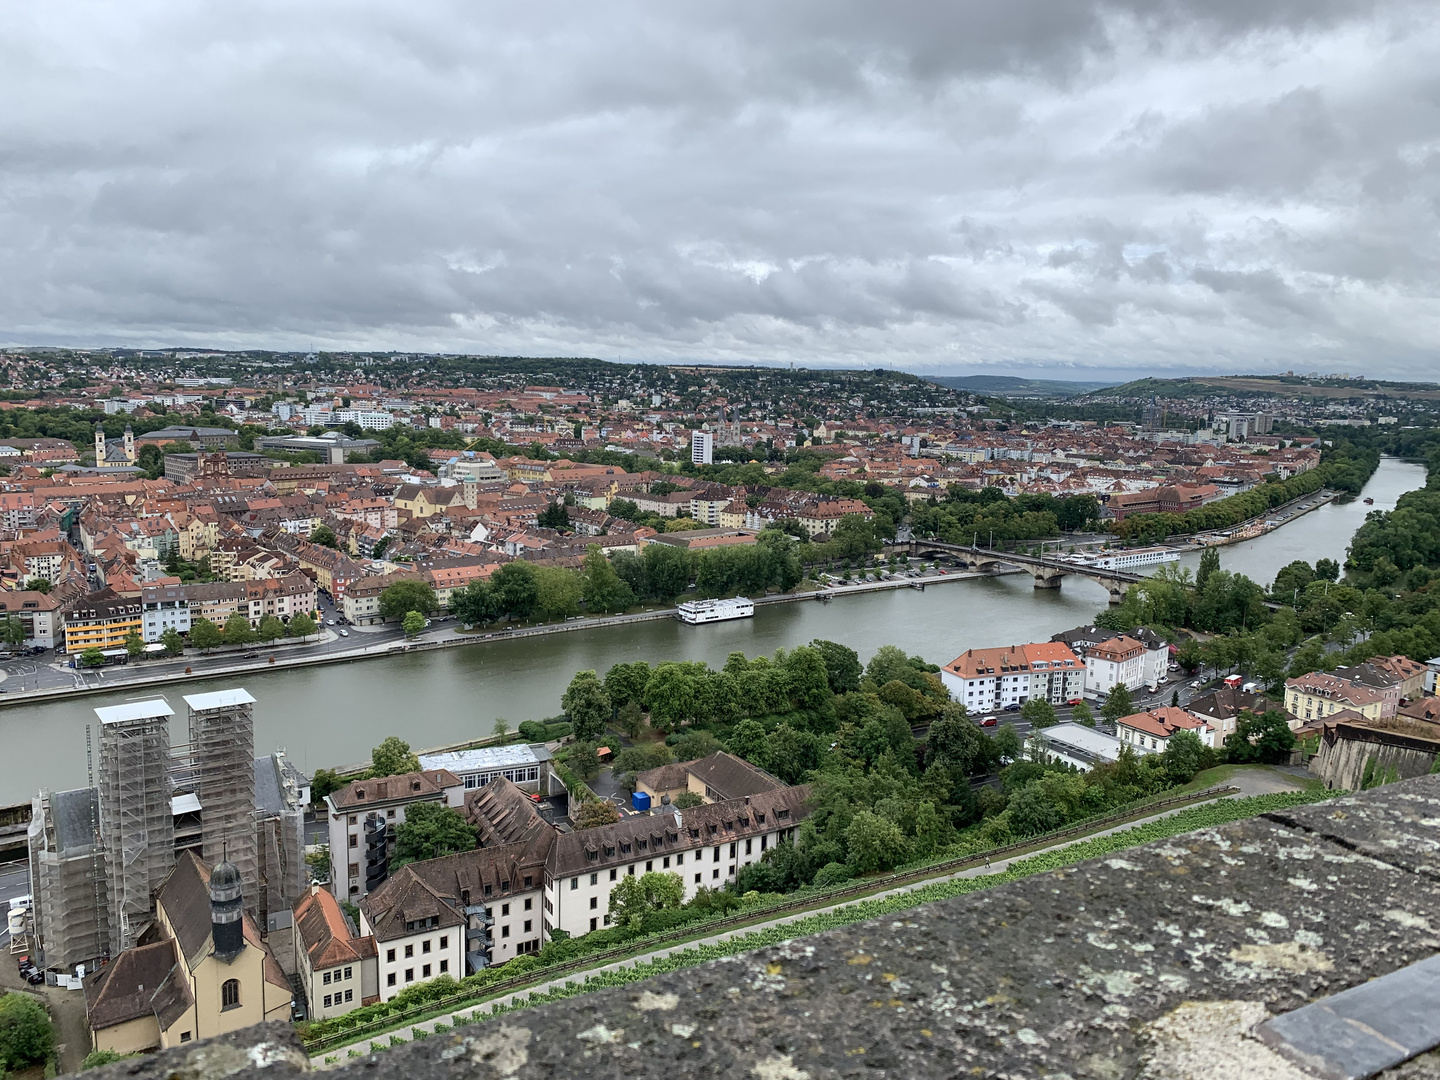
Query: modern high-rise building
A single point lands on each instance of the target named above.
(702, 448)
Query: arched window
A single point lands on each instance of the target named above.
(230, 993)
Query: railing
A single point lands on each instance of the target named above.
(682, 934)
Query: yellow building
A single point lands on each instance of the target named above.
(1317, 695)
(203, 969)
(102, 623)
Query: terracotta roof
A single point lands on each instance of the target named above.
(125, 989)
(1163, 722)
(324, 934)
(1322, 684)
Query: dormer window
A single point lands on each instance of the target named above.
(759, 817)
(359, 793)
(744, 822)
(694, 834)
(714, 829)
(414, 785)
(782, 814)
(609, 850)
(640, 844)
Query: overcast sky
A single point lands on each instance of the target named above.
(1010, 186)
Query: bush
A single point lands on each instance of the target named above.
(96, 1058)
(26, 1035)
(832, 874)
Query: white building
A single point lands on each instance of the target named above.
(1149, 732)
(984, 680)
(164, 607)
(1117, 662)
(702, 448)
(363, 815)
(526, 765)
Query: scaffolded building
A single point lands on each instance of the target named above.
(68, 878)
(137, 828)
(221, 774)
(281, 794)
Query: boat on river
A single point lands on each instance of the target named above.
(696, 612)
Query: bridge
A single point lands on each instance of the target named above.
(1047, 572)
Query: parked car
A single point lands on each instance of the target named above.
(1014, 706)
(344, 632)
(1075, 701)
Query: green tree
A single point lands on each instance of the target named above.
(14, 631)
(594, 813)
(842, 665)
(583, 760)
(301, 625)
(92, 657)
(1008, 744)
(588, 706)
(630, 719)
(668, 570)
(96, 1058)
(413, 624)
(554, 516)
(26, 1035)
(673, 694)
(1118, 703)
(637, 759)
(955, 741)
(134, 644)
(635, 897)
(323, 783)
(558, 592)
(37, 584)
(1265, 738)
(604, 591)
(874, 843)
(271, 629)
(405, 596)
(626, 682)
(1209, 564)
(237, 630)
(501, 729)
(430, 831)
(1184, 756)
(748, 741)
(172, 640)
(1039, 712)
(694, 745)
(1081, 714)
(324, 536)
(393, 757)
(204, 634)
(475, 603)
(1031, 813)
(687, 800)
(515, 586)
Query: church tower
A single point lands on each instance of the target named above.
(99, 447)
(129, 446)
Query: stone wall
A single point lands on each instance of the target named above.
(1156, 961)
(1351, 755)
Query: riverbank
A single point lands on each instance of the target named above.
(440, 638)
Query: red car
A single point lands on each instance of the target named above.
(989, 721)
(1074, 701)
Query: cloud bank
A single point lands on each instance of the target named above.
(1193, 185)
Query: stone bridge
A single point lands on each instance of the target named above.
(1047, 572)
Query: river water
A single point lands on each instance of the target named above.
(333, 714)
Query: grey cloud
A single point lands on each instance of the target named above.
(1154, 183)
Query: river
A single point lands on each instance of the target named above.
(333, 714)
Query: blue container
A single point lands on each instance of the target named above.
(639, 801)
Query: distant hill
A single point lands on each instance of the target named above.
(1010, 386)
(1282, 385)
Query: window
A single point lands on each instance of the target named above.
(349, 995)
(389, 813)
(715, 874)
(732, 851)
(680, 859)
(747, 846)
(593, 922)
(575, 882)
(230, 994)
(665, 865)
(390, 979)
(529, 903)
(409, 975)
(326, 979)
(444, 941)
(649, 866)
(594, 902)
(425, 945)
(184, 1036)
(425, 972)
(630, 870)
(595, 878)
(409, 951)
(528, 881)
(504, 931)
(528, 923)
(354, 869)
(389, 956)
(697, 879)
(717, 852)
(444, 966)
(327, 1001)
(347, 973)
(354, 840)
(612, 874)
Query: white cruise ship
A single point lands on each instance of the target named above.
(696, 612)
(1128, 559)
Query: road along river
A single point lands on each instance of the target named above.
(332, 714)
